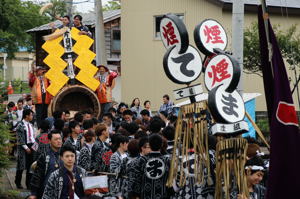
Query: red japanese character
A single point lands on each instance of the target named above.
(219, 72)
(169, 34)
(213, 34)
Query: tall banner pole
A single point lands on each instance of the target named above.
(99, 34)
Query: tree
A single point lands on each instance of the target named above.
(111, 5)
(16, 17)
(4, 129)
(288, 41)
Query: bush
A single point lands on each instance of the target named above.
(10, 194)
(4, 138)
(263, 125)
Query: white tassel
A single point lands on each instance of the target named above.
(45, 7)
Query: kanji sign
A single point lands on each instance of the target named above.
(182, 68)
(188, 91)
(222, 70)
(226, 107)
(209, 35)
(173, 33)
(234, 128)
(155, 168)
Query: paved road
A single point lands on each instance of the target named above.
(7, 180)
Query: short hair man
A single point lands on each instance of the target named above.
(25, 139)
(99, 161)
(65, 182)
(47, 162)
(167, 105)
(84, 30)
(108, 120)
(127, 116)
(146, 180)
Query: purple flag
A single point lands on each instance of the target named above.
(284, 173)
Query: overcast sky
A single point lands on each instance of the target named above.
(86, 6)
(81, 5)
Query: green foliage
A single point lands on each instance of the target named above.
(112, 5)
(16, 17)
(20, 86)
(263, 125)
(58, 9)
(9, 194)
(4, 136)
(289, 43)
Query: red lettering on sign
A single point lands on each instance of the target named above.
(169, 34)
(213, 34)
(219, 72)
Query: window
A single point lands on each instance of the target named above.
(116, 40)
(157, 20)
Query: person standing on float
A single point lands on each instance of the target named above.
(40, 97)
(104, 91)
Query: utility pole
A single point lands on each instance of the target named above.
(99, 35)
(69, 5)
(238, 36)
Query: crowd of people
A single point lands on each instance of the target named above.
(131, 145)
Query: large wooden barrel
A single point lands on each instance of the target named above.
(75, 98)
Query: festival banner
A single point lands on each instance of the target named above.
(284, 131)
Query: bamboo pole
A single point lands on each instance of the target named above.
(260, 134)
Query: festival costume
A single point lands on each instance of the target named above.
(43, 144)
(148, 175)
(101, 154)
(170, 146)
(71, 142)
(40, 97)
(104, 91)
(85, 29)
(24, 160)
(47, 162)
(115, 166)
(127, 163)
(61, 183)
(192, 189)
(11, 119)
(85, 157)
(259, 192)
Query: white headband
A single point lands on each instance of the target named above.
(256, 168)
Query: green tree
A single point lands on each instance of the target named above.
(289, 43)
(4, 129)
(111, 5)
(16, 17)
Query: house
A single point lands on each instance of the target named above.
(112, 28)
(142, 51)
(17, 67)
